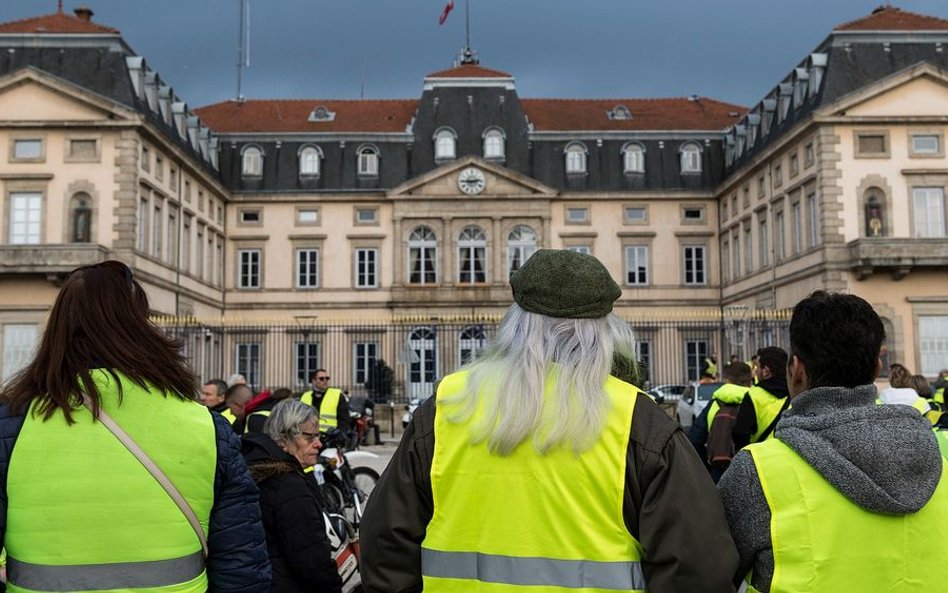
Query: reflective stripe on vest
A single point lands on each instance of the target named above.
(766, 407)
(577, 540)
(96, 577)
(328, 410)
(107, 511)
(260, 413)
(512, 570)
(822, 541)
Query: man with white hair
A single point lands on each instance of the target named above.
(534, 466)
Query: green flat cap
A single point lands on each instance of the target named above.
(563, 283)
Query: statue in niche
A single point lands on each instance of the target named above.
(81, 222)
(875, 225)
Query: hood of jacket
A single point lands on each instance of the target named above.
(883, 458)
(729, 393)
(265, 458)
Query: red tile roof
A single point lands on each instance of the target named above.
(292, 115)
(890, 18)
(647, 114)
(469, 71)
(55, 23)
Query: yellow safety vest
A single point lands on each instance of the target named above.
(939, 396)
(260, 413)
(229, 416)
(84, 514)
(942, 437)
(822, 541)
(328, 408)
(766, 407)
(728, 393)
(548, 523)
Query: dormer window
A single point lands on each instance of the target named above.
(690, 158)
(252, 162)
(368, 160)
(310, 157)
(620, 112)
(445, 144)
(633, 158)
(576, 158)
(494, 144)
(322, 114)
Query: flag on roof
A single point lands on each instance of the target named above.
(447, 10)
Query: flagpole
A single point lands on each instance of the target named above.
(467, 21)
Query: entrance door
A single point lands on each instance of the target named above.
(423, 366)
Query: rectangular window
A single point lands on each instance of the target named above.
(723, 209)
(187, 191)
(796, 230)
(307, 268)
(83, 150)
(748, 251)
(209, 266)
(159, 168)
(778, 176)
(219, 249)
(143, 223)
(643, 354)
(696, 351)
(734, 205)
(472, 260)
(871, 144)
(693, 215)
(577, 215)
(813, 221)
(926, 144)
(929, 210)
(368, 162)
(199, 252)
(201, 200)
(186, 244)
(736, 246)
(307, 361)
(19, 345)
(172, 251)
(367, 215)
(725, 261)
(763, 247)
(933, 343)
(581, 249)
(636, 215)
(636, 265)
(364, 357)
(779, 239)
(747, 197)
(761, 187)
(156, 231)
(248, 268)
(366, 262)
(694, 265)
(307, 216)
(250, 217)
(146, 158)
(26, 217)
(421, 264)
(248, 363)
(809, 155)
(173, 179)
(794, 165)
(31, 149)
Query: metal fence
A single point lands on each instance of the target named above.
(402, 359)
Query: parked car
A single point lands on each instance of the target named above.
(695, 398)
(666, 393)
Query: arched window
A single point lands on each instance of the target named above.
(471, 340)
(422, 255)
(368, 160)
(423, 362)
(875, 213)
(252, 161)
(472, 256)
(445, 144)
(690, 158)
(310, 157)
(633, 158)
(494, 144)
(576, 158)
(81, 218)
(521, 243)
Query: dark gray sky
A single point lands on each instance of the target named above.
(732, 50)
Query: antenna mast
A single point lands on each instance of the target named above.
(243, 44)
(468, 55)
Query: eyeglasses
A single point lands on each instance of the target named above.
(309, 436)
(322, 378)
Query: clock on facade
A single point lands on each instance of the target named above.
(472, 181)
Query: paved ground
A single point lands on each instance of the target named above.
(384, 452)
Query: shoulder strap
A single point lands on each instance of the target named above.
(773, 425)
(154, 470)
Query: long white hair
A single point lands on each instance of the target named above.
(507, 382)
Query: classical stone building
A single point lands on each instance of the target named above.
(416, 211)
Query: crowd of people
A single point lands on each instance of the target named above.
(534, 467)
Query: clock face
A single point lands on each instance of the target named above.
(472, 181)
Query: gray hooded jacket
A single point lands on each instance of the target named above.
(884, 458)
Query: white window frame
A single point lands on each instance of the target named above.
(310, 161)
(633, 158)
(27, 155)
(762, 243)
(932, 343)
(928, 208)
(494, 144)
(690, 157)
(916, 150)
(247, 362)
(423, 243)
(796, 227)
(695, 264)
(306, 360)
(575, 155)
(472, 248)
(366, 267)
(26, 218)
(156, 223)
(577, 215)
(696, 351)
(307, 267)
(471, 340)
(636, 265)
(19, 346)
(368, 161)
(251, 161)
(813, 220)
(249, 268)
(521, 244)
(780, 249)
(627, 219)
(584, 249)
(445, 144)
(365, 355)
(748, 250)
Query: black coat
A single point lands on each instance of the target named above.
(292, 519)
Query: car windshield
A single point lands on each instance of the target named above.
(706, 391)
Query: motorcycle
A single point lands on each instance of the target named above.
(410, 408)
(344, 543)
(365, 430)
(345, 486)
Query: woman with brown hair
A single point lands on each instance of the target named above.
(157, 496)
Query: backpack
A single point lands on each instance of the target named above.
(720, 444)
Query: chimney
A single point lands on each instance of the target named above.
(83, 13)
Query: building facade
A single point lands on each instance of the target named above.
(415, 212)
